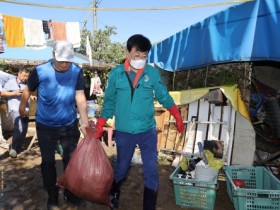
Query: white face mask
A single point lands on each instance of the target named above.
(138, 64)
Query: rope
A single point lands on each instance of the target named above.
(126, 9)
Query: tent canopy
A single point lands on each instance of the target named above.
(245, 32)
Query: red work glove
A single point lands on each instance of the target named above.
(99, 127)
(176, 114)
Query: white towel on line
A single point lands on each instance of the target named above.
(33, 34)
(73, 33)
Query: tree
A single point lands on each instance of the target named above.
(103, 49)
(82, 48)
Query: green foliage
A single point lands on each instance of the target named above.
(12, 68)
(5, 67)
(84, 34)
(103, 49)
(216, 75)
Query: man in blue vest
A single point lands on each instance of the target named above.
(60, 92)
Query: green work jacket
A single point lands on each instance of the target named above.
(133, 108)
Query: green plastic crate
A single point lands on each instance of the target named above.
(261, 191)
(192, 193)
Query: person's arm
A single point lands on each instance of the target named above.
(163, 96)
(8, 89)
(173, 110)
(32, 97)
(23, 102)
(82, 109)
(10, 93)
(32, 84)
(108, 104)
(81, 102)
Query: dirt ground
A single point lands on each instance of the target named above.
(21, 185)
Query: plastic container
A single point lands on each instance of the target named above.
(193, 193)
(261, 188)
(91, 109)
(205, 173)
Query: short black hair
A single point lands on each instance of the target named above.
(139, 41)
(24, 69)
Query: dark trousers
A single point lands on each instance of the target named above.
(147, 143)
(48, 137)
(20, 130)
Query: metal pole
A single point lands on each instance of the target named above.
(94, 16)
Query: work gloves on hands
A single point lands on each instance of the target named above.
(178, 118)
(99, 127)
(173, 111)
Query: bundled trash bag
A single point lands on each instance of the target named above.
(89, 174)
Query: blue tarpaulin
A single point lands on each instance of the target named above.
(244, 32)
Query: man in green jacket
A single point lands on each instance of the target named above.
(129, 96)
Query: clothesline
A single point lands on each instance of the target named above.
(31, 32)
(74, 36)
(127, 9)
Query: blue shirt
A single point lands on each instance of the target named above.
(14, 84)
(56, 91)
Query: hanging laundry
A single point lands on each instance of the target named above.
(95, 86)
(33, 34)
(73, 33)
(46, 28)
(58, 30)
(13, 27)
(1, 43)
(89, 51)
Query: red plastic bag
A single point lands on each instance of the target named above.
(89, 174)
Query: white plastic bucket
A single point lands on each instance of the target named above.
(205, 173)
